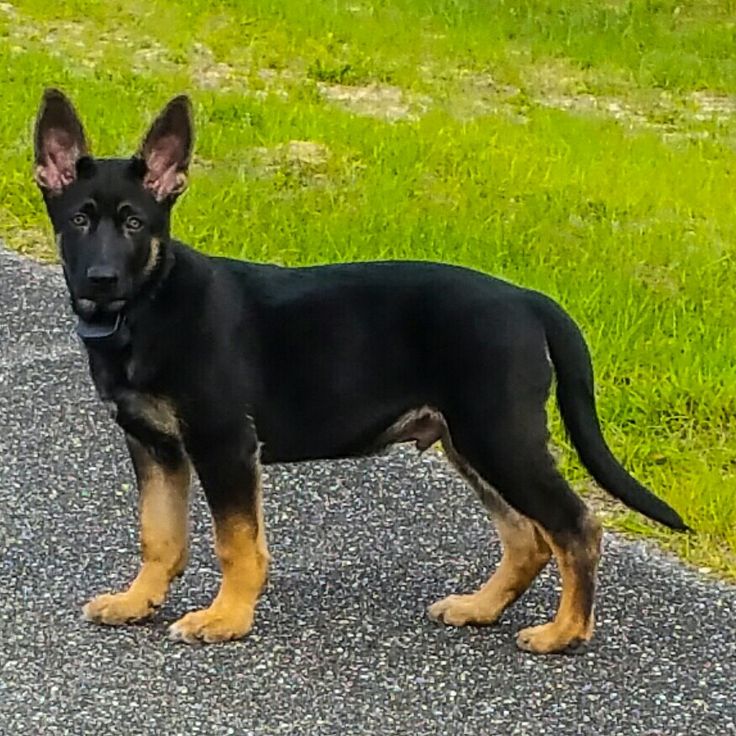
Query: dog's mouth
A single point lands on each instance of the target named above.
(98, 321)
(98, 330)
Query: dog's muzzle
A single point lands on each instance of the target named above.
(94, 309)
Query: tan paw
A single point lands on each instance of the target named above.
(550, 638)
(459, 610)
(212, 624)
(114, 609)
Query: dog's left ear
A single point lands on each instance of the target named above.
(167, 149)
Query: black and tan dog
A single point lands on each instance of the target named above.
(224, 365)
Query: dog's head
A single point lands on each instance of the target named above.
(110, 216)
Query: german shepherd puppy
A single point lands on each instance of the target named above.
(222, 365)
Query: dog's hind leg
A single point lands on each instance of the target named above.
(163, 508)
(547, 516)
(525, 554)
(577, 553)
(497, 422)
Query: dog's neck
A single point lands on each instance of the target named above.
(151, 287)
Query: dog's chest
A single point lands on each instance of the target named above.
(136, 407)
(136, 411)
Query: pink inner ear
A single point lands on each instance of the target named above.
(164, 162)
(60, 154)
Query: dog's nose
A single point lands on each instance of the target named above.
(102, 276)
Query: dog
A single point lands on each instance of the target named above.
(220, 366)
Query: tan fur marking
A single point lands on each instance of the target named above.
(525, 554)
(240, 545)
(527, 548)
(163, 508)
(155, 248)
(574, 622)
(525, 551)
(158, 413)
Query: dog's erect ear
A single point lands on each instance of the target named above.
(59, 142)
(167, 149)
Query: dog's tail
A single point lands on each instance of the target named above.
(576, 399)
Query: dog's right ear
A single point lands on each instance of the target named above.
(59, 142)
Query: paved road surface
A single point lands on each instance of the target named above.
(342, 645)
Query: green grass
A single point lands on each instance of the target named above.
(583, 148)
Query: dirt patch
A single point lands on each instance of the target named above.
(711, 106)
(591, 104)
(673, 118)
(275, 82)
(381, 101)
(660, 279)
(60, 38)
(555, 78)
(475, 94)
(208, 73)
(145, 54)
(560, 85)
(306, 161)
(150, 54)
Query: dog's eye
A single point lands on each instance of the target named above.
(133, 223)
(80, 220)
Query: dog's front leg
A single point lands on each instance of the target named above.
(163, 508)
(229, 468)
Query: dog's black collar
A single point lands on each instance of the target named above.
(104, 335)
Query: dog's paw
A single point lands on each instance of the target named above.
(114, 609)
(460, 610)
(213, 624)
(551, 638)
